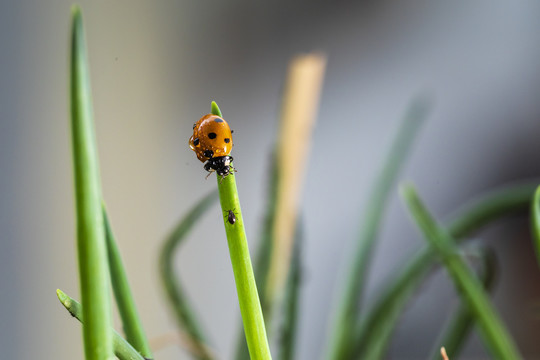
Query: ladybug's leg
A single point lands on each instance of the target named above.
(232, 167)
(209, 166)
(209, 173)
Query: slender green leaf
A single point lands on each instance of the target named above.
(347, 317)
(374, 332)
(131, 322)
(92, 250)
(185, 316)
(492, 330)
(287, 335)
(535, 221)
(460, 326)
(246, 288)
(121, 347)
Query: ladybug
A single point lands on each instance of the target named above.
(212, 143)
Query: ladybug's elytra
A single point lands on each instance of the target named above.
(212, 143)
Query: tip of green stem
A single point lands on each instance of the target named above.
(537, 197)
(76, 14)
(64, 299)
(535, 217)
(215, 109)
(406, 189)
(77, 29)
(424, 101)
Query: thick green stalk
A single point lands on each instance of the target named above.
(122, 349)
(185, 315)
(492, 330)
(131, 322)
(462, 322)
(535, 222)
(375, 330)
(248, 298)
(92, 250)
(347, 316)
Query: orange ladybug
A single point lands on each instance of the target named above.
(212, 143)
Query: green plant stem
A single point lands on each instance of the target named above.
(264, 252)
(535, 222)
(347, 316)
(375, 330)
(122, 349)
(248, 298)
(461, 324)
(287, 335)
(185, 316)
(131, 321)
(470, 289)
(92, 250)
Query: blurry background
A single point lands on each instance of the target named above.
(155, 68)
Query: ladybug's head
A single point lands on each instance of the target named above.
(221, 165)
(224, 171)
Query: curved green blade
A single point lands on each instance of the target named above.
(495, 336)
(185, 315)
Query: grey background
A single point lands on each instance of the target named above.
(155, 68)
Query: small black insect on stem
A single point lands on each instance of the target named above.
(231, 218)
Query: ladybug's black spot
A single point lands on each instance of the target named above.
(212, 135)
(196, 141)
(208, 153)
(218, 120)
(227, 140)
(194, 126)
